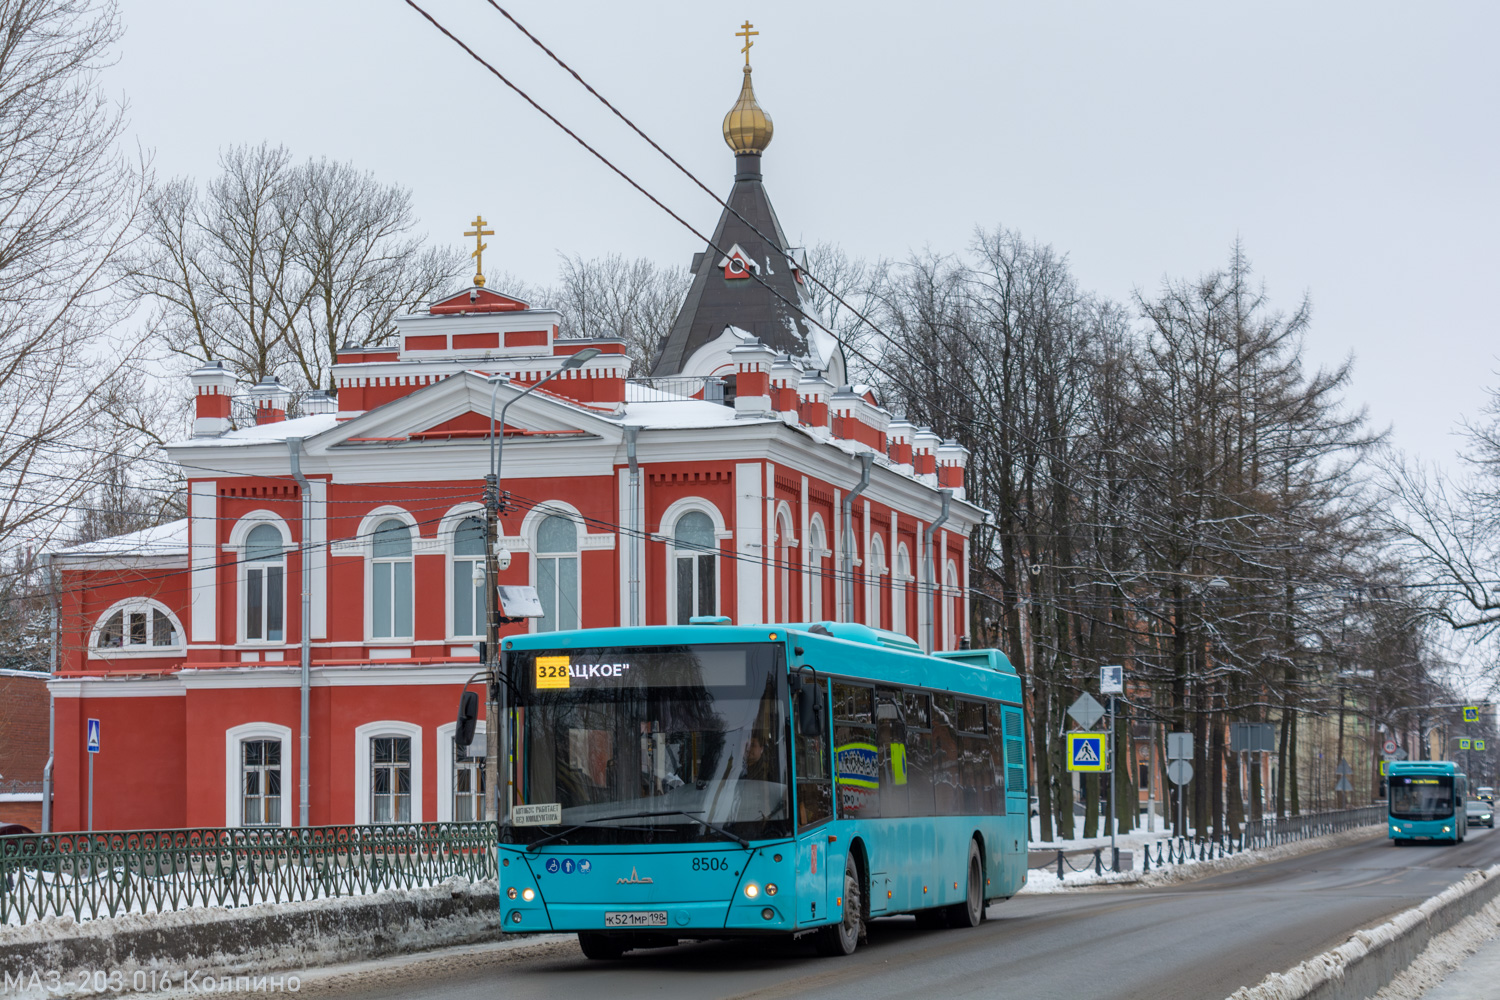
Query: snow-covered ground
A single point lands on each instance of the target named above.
(1046, 880)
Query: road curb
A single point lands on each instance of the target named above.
(1371, 958)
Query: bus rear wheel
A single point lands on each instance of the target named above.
(843, 937)
(600, 947)
(971, 911)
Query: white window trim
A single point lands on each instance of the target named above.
(949, 591)
(786, 535)
(233, 797)
(362, 777)
(445, 734)
(668, 534)
(531, 524)
(239, 537)
(813, 569)
(899, 588)
(135, 652)
(366, 537)
(447, 535)
(874, 612)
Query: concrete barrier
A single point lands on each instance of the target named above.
(269, 939)
(1368, 961)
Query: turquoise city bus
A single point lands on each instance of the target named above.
(712, 781)
(1426, 801)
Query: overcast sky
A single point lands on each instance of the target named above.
(1351, 146)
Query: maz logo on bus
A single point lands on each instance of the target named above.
(634, 879)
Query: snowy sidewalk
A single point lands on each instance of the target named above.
(1476, 978)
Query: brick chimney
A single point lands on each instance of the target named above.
(270, 400)
(814, 391)
(952, 457)
(752, 387)
(899, 439)
(213, 388)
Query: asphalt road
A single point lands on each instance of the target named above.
(1198, 941)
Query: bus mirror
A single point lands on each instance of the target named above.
(468, 718)
(809, 711)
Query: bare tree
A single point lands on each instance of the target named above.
(614, 296)
(69, 206)
(277, 264)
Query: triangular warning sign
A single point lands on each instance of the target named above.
(1085, 752)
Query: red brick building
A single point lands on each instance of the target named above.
(23, 746)
(723, 486)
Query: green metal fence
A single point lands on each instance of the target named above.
(88, 875)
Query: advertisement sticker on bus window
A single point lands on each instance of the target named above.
(551, 672)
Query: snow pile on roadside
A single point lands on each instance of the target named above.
(1301, 980)
(1040, 880)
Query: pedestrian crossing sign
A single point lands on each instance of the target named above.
(1463, 744)
(1471, 713)
(1479, 744)
(1086, 752)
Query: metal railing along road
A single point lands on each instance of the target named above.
(89, 875)
(1270, 831)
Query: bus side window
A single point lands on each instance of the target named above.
(947, 760)
(890, 737)
(814, 783)
(919, 769)
(995, 776)
(856, 757)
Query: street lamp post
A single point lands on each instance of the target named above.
(496, 736)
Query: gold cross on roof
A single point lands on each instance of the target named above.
(479, 233)
(746, 33)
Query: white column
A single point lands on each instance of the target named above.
(768, 545)
(203, 546)
(807, 582)
(317, 552)
(749, 535)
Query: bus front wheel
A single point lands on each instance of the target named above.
(600, 947)
(843, 937)
(971, 911)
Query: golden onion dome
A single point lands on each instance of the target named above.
(747, 128)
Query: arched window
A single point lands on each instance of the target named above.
(900, 581)
(874, 571)
(815, 546)
(785, 539)
(265, 585)
(470, 610)
(557, 573)
(140, 627)
(953, 607)
(695, 566)
(391, 580)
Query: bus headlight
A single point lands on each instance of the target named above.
(528, 894)
(770, 888)
(1447, 829)
(511, 892)
(752, 890)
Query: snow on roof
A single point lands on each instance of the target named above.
(170, 539)
(674, 411)
(280, 430)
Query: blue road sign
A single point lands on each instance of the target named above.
(1086, 752)
(93, 736)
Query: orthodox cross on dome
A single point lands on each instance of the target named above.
(746, 34)
(479, 233)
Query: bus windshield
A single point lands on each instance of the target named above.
(654, 744)
(1422, 797)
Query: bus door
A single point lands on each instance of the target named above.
(814, 777)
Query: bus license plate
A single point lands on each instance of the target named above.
(636, 918)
